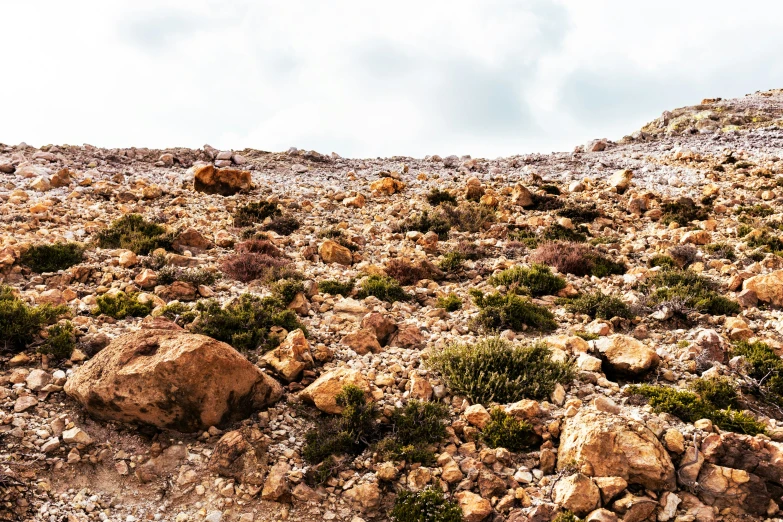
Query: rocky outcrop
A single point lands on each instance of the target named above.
(226, 182)
(333, 252)
(171, 379)
(768, 287)
(292, 357)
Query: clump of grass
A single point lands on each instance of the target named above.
(505, 431)
(685, 290)
(438, 197)
(682, 211)
(133, 232)
(690, 407)
(247, 323)
(54, 257)
(493, 369)
(758, 210)
(195, 276)
(255, 212)
(662, 261)
(412, 429)
(452, 262)
(349, 433)
(60, 342)
(335, 287)
(427, 505)
(450, 303)
(500, 311)
(537, 280)
(384, 288)
(21, 323)
(122, 305)
(597, 305)
(577, 259)
(764, 367)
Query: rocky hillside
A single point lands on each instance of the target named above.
(193, 335)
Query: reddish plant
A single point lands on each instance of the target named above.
(260, 246)
(248, 266)
(408, 273)
(566, 257)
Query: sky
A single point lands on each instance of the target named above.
(365, 79)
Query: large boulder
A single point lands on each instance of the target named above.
(607, 445)
(323, 392)
(577, 493)
(292, 357)
(171, 379)
(226, 182)
(387, 186)
(626, 355)
(333, 252)
(768, 287)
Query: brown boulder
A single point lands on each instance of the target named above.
(387, 186)
(362, 342)
(408, 336)
(191, 239)
(768, 287)
(332, 252)
(324, 390)
(292, 357)
(226, 182)
(171, 379)
(241, 455)
(383, 327)
(626, 355)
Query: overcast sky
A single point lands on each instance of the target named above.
(486, 78)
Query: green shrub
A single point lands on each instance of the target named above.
(536, 281)
(54, 257)
(682, 211)
(20, 323)
(557, 232)
(195, 276)
(452, 262)
(349, 433)
(255, 212)
(286, 289)
(334, 287)
(60, 342)
(720, 392)
(437, 197)
(496, 370)
(756, 210)
(427, 222)
(764, 366)
(500, 311)
(684, 288)
(414, 427)
(662, 261)
(284, 225)
(384, 288)
(450, 303)
(767, 241)
(180, 313)
(468, 217)
(427, 505)
(721, 250)
(122, 305)
(597, 305)
(587, 336)
(566, 516)
(505, 431)
(525, 236)
(246, 323)
(744, 230)
(690, 407)
(133, 232)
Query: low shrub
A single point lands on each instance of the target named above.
(764, 367)
(469, 217)
(452, 262)
(246, 323)
(682, 211)
(721, 251)
(60, 342)
(566, 516)
(662, 261)
(577, 259)
(493, 369)
(255, 212)
(427, 222)
(284, 225)
(334, 287)
(758, 210)
(690, 407)
(500, 311)
(505, 431)
(122, 305)
(537, 280)
(580, 213)
(349, 433)
(247, 266)
(384, 288)
(525, 236)
(21, 323)
(54, 257)
(470, 250)
(287, 289)
(180, 313)
(557, 232)
(597, 305)
(683, 255)
(587, 336)
(427, 505)
(685, 290)
(407, 273)
(450, 303)
(437, 197)
(195, 276)
(766, 240)
(719, 391)
(412, 429)
(133, 232)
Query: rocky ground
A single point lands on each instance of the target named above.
(601, 453)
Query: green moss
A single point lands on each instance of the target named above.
(428, 505)
(20, 323)
(246, 323)
(505, 431)
(690, 407)
(255, 212)
(122, 305)
(566, 516)
(334, 287)
(133, 232)
(496, 370)
(438, 197)
(382, 287)
(500, 311)
(54, 257)
(597, 305)
(536, 280)
(60, 342)
(587, 336)
(450, 303)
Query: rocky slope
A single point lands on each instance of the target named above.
(93, 435)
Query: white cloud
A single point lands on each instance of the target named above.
(369, 78)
